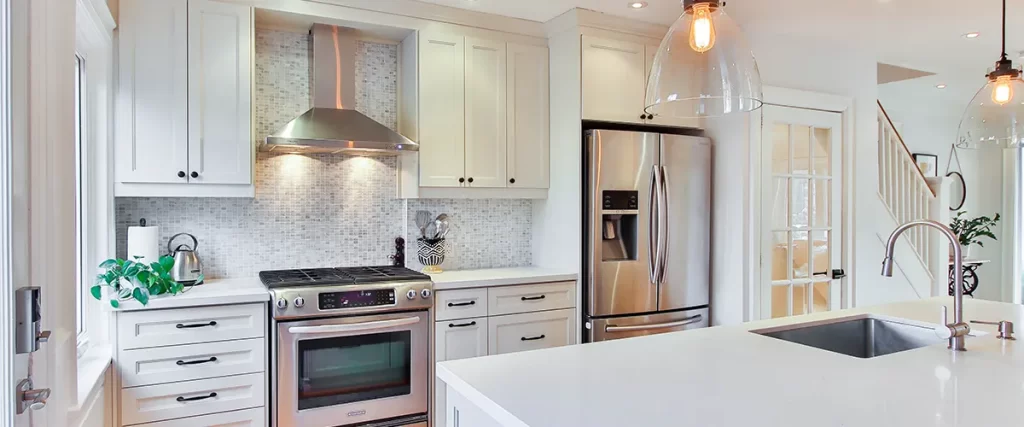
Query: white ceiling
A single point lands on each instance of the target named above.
(919, 34)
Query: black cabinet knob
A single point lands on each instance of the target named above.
(195, 174)
(470, 180)
(512, 181)
(643, 116)
(461, 180)
(181, 174)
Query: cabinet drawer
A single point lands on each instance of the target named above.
(191, 398)
(529, 298)
(143, 329)
(191, 362)
(256, 417)
(531, 331)
(460, 304)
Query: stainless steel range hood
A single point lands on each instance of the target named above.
(333, 125)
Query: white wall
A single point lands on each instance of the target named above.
(930, 119)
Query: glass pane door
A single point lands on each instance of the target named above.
(339, 370)
(801, 199)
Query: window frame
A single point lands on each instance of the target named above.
(82, 201)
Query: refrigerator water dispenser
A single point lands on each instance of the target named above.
(619, 226)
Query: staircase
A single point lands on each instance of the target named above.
(922, 255)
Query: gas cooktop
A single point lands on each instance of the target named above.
(338, 276)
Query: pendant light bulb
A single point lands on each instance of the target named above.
(1002, 90)
(702, 29)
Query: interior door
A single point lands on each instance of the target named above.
(620, 166)
(801, 221)
(686, 258)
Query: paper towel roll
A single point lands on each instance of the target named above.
(144, 242)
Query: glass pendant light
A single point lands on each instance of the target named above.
(704, 67)
(995, 117)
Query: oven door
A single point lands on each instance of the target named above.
(348, 370)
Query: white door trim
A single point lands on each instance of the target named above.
(815, 101)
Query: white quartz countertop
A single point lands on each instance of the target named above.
(728, 376)
(213, 292)
(461, 279)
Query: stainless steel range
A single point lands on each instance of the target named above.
(351, 346)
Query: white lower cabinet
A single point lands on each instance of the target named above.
(256, 417)
(543, 316)
(189, 398)
(462, 413)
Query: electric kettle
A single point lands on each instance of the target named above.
(187, 269)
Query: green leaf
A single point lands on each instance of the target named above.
(114, 303)
(108, 264)
(143, 276)
(166, 262)
(96, 292)
(140, 295)
(132, 269)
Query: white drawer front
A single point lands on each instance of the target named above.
(531, 331)
(256, 417)
(460, 304)
(191, 398)
(530, 298)
(191, 362)
(157, 328)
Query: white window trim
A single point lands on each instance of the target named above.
(94, 27)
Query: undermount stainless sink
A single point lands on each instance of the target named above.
(864, 338)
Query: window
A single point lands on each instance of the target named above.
(83, 270)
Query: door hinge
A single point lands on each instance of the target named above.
(838, 274)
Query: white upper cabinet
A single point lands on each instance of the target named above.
(184, 99)
(442, 110)
(485, 113)
(527, 111)
(152, 123)
(614, 80)
(220, 144)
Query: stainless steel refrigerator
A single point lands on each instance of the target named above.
(646, 244)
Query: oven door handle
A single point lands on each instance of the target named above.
(353, 327)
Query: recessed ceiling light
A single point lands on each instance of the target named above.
(637, 4)
(940, 86)
(972, 35)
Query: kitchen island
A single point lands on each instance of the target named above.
(730, 376)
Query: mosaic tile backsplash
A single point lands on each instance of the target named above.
(327, 210)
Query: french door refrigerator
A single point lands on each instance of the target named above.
(646, 233)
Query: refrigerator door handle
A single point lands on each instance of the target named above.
(663, 224)
(653, 229)
(667, 325)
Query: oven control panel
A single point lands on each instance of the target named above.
(360, 298)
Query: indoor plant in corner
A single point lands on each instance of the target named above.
(970, 231)
(135, 280)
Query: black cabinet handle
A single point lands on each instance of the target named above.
(538, 337)
(461, 304)
(193, 399)
(195, 174)
(181, 174)
(512, 181)
(461, 180)
(470, 180)
(196, 325)
(536, 298)
(196, 362)
(462, 325)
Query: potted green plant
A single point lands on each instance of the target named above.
(971, 231)
(130, 279)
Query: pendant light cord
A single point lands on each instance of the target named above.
(1004, 29)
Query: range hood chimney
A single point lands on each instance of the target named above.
(333, 125)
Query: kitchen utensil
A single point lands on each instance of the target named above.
(441, 226)
(422, 220)
(431, 231)
(187, 269)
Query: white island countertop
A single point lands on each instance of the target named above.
(462, 279)
(728, 376)
(213, 292)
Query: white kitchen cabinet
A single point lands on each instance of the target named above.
(485, 113)
(614, 80)
(528, 145)
(442, 110)
(184, 99)
(454, 340)
(152, 122)
(530, 331)
(220, 144)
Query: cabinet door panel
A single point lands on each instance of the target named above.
(531, 331)
(528, 144)
(442, 110)
(485, 113)
(613, 80)
(220, 143)
(152, 97)
(456, 339)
